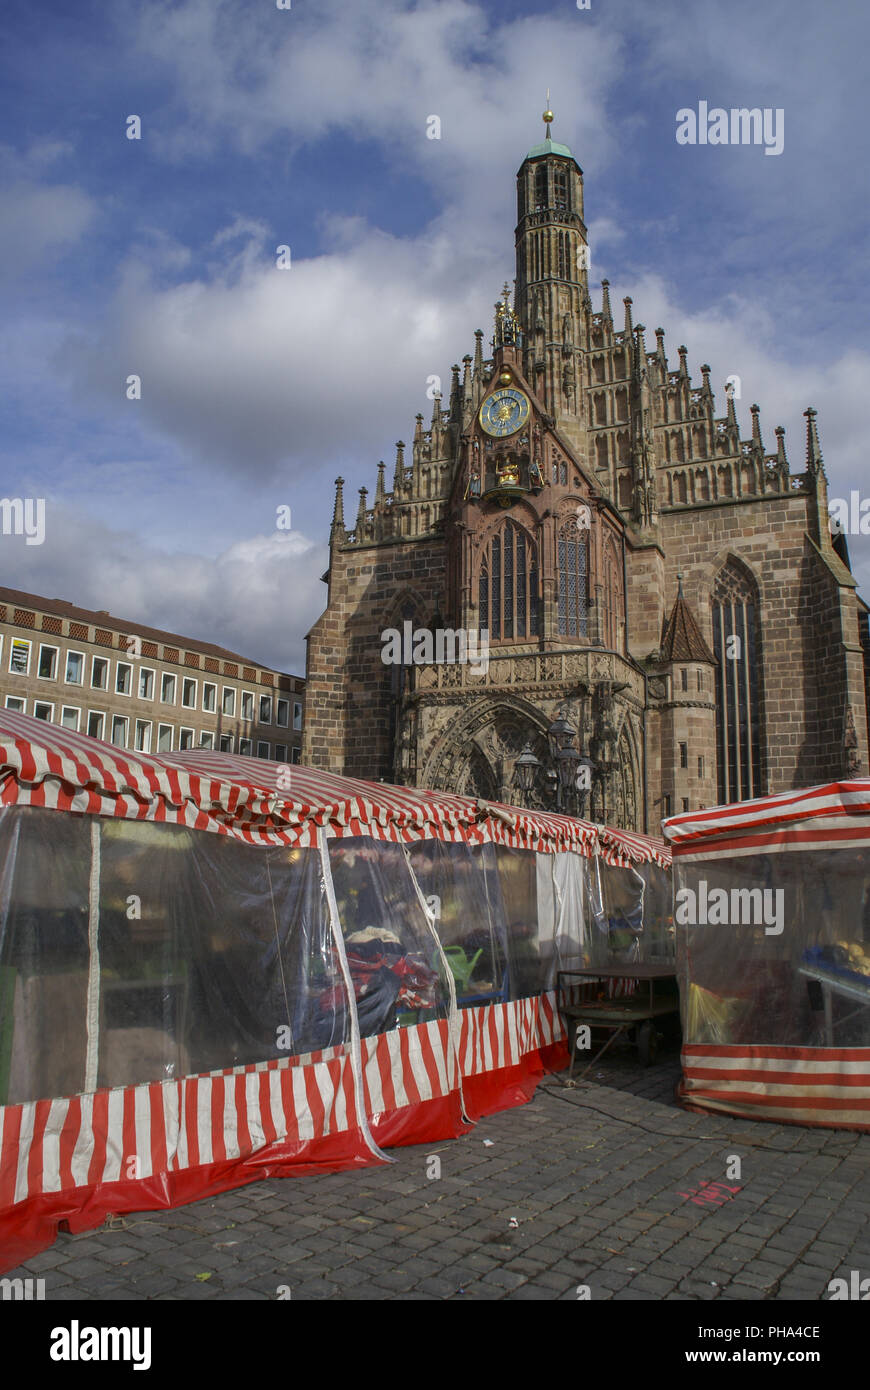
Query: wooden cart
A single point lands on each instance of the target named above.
(635, 1013)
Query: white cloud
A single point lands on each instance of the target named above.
(252, 366)
(37, 223)
(258, 597)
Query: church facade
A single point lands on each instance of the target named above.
(650, 582)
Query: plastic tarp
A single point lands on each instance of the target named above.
(773, 950)
(158, 990)
(402, 988)
(485, 906)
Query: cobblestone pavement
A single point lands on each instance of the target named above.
(581, 1187)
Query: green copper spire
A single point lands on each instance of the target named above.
(548, 146)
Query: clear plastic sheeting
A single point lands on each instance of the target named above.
(44, 954)
(656, 944)
(592, 914)
(392, 956)
(209, 954)
(463, 889)
(518, 879)
(775, 949)
(563, 930)
(222, 958)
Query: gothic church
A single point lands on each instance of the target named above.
(653, 584)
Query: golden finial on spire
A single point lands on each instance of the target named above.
(548, 115)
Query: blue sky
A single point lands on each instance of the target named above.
(307, 127)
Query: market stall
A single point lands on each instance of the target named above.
(772, 919)
(209, 976)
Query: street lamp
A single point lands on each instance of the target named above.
(567, 772)
(560, 735)
(567, 759)
(526, 769)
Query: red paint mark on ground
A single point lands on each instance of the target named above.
(710, 1194)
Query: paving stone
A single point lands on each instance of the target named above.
(648, 1283)
(547, 1279)
(504, 1278)
(761, 1275)
(532, 1292)
(439, 1286)
(525, 1266)
(315, 1288)
(146, 1286)
(397, 1279)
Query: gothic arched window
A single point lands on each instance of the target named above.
(563, 258)
(738, 702)
(508, 585)
(611, 595)
(540, 187)
(560, 189)
(573, 568)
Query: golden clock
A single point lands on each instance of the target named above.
(504, 412)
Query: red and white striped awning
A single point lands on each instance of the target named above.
(834, 816)
(42, 764)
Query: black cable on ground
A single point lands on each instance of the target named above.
(664, 1133)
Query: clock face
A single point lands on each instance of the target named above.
(504, 412)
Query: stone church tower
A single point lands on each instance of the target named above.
(668, 588)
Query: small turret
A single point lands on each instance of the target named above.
(781, 460)
(399, 472)
(337, 528)
(606, 312)
(361, 515)
(660, 351)
(419, 440)
(817, 484)
(682, 639)
(455, 397)
(478, 381)
(814, 453)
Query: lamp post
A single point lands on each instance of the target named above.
(567, 773)
(526, 769)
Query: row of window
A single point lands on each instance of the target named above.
(270, 710)
(684, 759)
(115, 728)
(684, 679)
(560, 188)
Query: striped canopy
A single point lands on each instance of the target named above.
(833, 816)
(267, 803)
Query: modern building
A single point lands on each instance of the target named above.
(668, 584)
(141, 688)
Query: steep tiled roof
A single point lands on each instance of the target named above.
(682, 640)
(61, 608)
